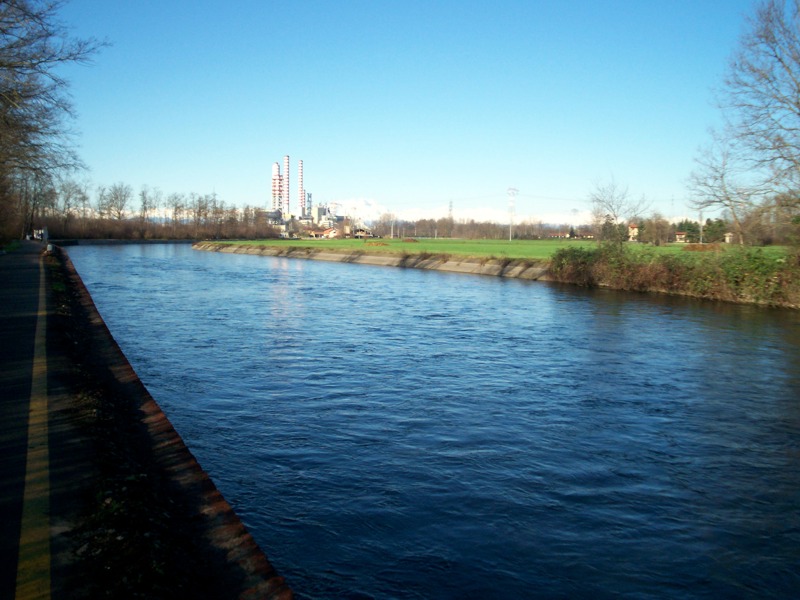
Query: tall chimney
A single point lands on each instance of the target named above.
(276, 186)
(286, 185)
(301, 192)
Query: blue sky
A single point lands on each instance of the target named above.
(404, 106)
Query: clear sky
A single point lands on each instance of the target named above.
(404, 106)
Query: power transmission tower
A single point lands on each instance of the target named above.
(512, 193)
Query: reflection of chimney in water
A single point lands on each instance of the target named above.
(300, 191)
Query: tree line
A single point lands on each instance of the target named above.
(68, 211)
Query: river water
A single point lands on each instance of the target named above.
(391, 433)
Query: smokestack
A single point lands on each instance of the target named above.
(301, 192)
(276, 186)
(286, 184)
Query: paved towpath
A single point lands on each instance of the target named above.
(23, 440)
(44, 460)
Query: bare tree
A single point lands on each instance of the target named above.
(613, 209)
(176, 203)
(118, 198)
(69, 200)
(718, 182)
(761, 94)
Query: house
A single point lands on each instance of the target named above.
(363, 232)
(633, 232)
(728, 238)
(680, 237)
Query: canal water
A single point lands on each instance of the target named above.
(390, 433)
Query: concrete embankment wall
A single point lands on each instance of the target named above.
(514, 268)
(238, 565)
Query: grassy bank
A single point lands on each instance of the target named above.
(500, 249)
(768, 276)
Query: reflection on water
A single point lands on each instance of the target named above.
(410, 434)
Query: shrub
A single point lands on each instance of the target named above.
(573, 265)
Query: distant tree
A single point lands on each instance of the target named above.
(101, 205)
(691, 229)
(35, 199)
(444, 227)
(385, 225)
(654, 230)
(117, 200)
(176, 204)
(149, 201)
(715, 230)
(198, 208)
(613, 209)
(722, 181)
(70, 195)
(784, 217)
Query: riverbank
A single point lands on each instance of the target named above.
(149, 522)
(514, 268)
(738, 275)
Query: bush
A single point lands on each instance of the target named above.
(573, 265)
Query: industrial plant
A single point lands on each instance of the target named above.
(318, 220)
